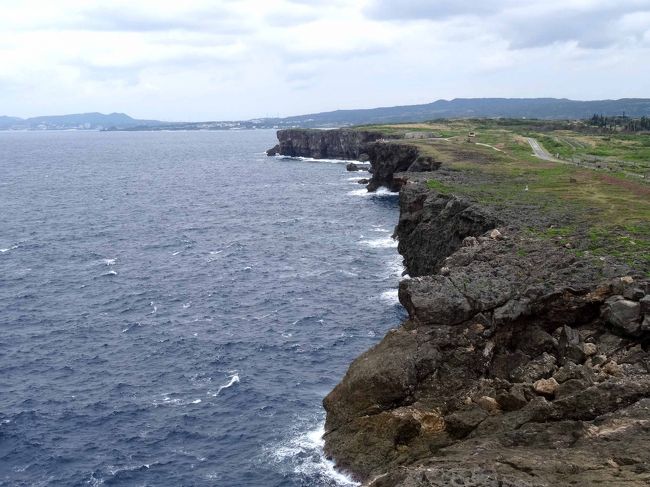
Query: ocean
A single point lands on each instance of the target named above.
(174, 306)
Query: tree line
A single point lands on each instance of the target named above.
(626, 124)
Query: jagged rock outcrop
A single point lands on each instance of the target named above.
(324, 144)
(520, 363)
(352, 167)
(386, 157)
(432, 226)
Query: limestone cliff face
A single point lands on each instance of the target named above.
(325, 144)
(386, 157)
(520, 364)
(432, 226)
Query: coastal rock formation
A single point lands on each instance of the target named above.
(389, 158)
(521, 362)
(352, 167)
(386, 157)
(432, 226)
(519, 365)
(324, 144)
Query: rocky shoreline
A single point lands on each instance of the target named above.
(521, 364)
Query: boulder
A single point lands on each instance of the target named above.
(351, 167)
(540, 368)
(569, 345)
(590, 349)
(546, 387)
(633, 293)
(488, 404)
(513, 399)
(461, 423)
(645, 305)
(624, 315)
(434, 300)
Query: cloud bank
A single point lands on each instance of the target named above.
(226, 59)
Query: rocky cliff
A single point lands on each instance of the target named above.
(519, 365)
(386, 157)
(324, 144)
(522, 363)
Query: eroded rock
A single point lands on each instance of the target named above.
(511, 354)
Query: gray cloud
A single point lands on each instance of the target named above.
(526, 23)
(219, 59)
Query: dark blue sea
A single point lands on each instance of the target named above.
(174, 306)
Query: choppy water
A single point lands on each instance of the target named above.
(174, 307)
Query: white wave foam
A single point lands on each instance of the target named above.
(94, 481)
(380, 243)
(305, 455)
(109, 261)
(380, 193)
(311, 159)
(110, 273)
(383, 191)
(234, 379)
(13, 247)
(391, 297)
(167, 400)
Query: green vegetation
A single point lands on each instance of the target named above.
(623, 123)
(438, 186)
(601, 190)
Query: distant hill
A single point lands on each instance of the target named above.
(88, 121)
(541, 108)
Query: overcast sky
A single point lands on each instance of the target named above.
(239, 59)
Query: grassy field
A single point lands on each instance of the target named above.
(609, 199)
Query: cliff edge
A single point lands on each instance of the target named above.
(524, 360)
(519, 365)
